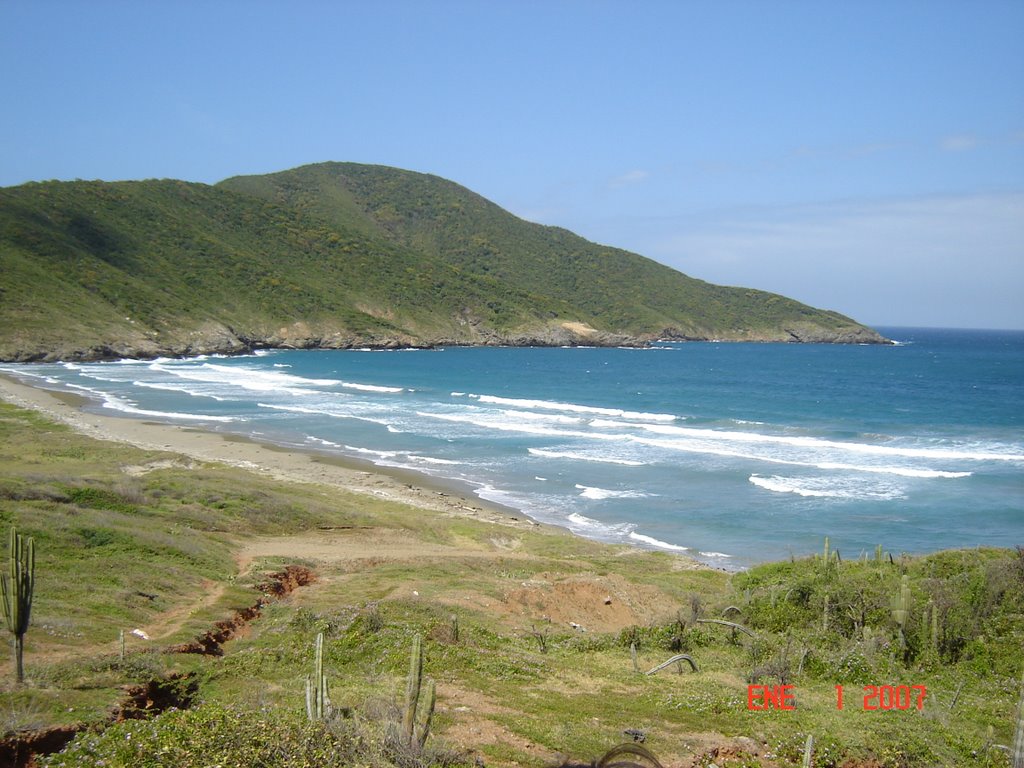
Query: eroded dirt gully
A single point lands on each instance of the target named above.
(155, 696)
(274, 588)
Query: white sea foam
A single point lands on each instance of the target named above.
(553, 405)
(493, 421)
(901, 471)
(574, 456)
(264, 380)
(21, 372)
(246, 378)
(653, 542)
(96, 373)
(819, 444)
(551, 418)
(831, 487)
(714, 554)
(370, 387)
(589, 492)
(97, 392)
(299, 409)
(177, 388)
(327, 411)
(784, 485)
(117, 404)
(372, 452)
(606, 531)
(699, 441)
(434, 460)
(130, 361)
(321, 441)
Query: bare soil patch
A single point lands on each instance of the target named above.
(591, 603)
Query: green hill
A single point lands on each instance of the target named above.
(337, 255)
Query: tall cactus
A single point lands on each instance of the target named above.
(318, 700)
(16, 588)
(412, 687)
(418, 716)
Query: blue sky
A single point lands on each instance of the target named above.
(862, 156)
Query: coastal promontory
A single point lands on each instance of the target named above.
(339, 255)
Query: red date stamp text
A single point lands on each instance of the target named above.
(874, 697)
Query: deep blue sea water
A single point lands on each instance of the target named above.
(733, 453)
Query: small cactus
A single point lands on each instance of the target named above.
(419, 710)
(423, 723)
(808, 751)
(318, 700)
(901, 609)
(16, 589)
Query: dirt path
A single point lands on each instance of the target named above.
(169, 622)
(347, 545)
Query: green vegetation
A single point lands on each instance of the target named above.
(609, 288)
(214, 734)
(336, 255)
(130, 538)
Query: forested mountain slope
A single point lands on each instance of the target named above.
(337, 255)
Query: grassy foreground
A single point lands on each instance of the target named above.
(127, 539)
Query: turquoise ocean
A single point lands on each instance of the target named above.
(731, 453)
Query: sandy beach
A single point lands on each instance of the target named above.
(284, 464)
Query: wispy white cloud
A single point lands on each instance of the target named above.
(959, 143)
(628, 179)
(955, 261)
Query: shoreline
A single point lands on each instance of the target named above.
(573, 335)
(286, 464)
